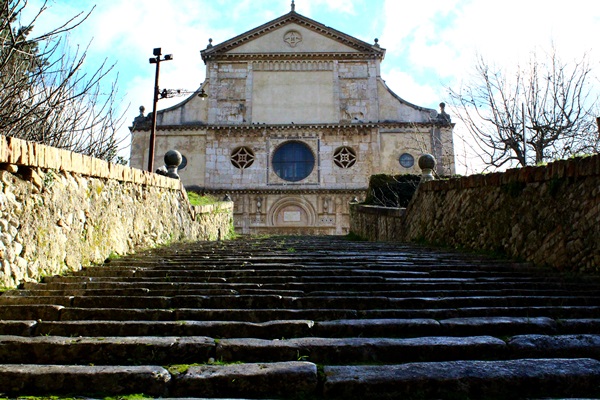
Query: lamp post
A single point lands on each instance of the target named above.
(155, 60)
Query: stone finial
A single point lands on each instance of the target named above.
(209, 45)
(376, 42)
(293, 5)
(142, 110)
(443, 117)
(173, 159)
(427, 164)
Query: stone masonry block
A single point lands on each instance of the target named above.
(52, 160)
(115, 171)
(41, 156)
(67, 161)
(76, 162)
(14, 150)
(100, 168)
(30, 156)
(127, 174)
(87, 165)
(3, 149)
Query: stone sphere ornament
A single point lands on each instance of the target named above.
(173, 159)
(427, 164)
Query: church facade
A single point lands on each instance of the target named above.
(296, 119)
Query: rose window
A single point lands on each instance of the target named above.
(242, 157)
(344, 157)
(293, 161)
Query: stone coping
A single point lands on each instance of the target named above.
(24, 153)
(577, 167)
(218, 207)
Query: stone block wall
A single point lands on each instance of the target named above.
(549, 215)
(60, 211)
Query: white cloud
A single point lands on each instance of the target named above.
(430, 44)
(405, 86)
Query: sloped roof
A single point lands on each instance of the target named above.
(292, 17)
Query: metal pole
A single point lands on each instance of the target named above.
(524, 138)
(153, 129)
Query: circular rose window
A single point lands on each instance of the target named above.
(293, 161)
(407, 160)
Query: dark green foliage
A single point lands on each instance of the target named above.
(392, 190)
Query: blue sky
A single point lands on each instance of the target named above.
(431, 45)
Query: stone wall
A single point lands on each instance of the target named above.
(60, 211)
(549, 215)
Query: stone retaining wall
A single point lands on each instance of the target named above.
(549, 215)
(61, 210)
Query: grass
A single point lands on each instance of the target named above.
(197, 199)
(178, 369)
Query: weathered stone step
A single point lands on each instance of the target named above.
(391, 328)
(236, 301)
(204, 269)
(216, 329)
(56, 313)
(386, 350)
(134, 292)
(362, 350)
(526, 378)
(31, 380)
(424, 286)
(296, 379)
(197, 349)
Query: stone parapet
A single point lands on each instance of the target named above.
(21, 152)
(61, 211)
(548, 215)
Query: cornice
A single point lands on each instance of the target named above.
(329, 56)
(359, 191)
(293, 127)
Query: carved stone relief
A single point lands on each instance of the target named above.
(292, 38)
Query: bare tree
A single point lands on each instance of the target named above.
(544, 111)
(46, 96)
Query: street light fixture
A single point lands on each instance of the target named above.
(155, 60)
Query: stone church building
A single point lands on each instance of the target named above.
(296, 119)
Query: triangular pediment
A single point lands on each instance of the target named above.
(292, 33)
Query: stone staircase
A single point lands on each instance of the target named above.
(303, 318)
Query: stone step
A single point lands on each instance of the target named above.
(34, 380)
(424, 286)
(390, 328)
(507, 379)
(250, 301)
(133, 292)
(398, 320)
(154, 350)
(529, 378)
(58, 313)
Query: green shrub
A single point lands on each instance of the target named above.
(197, 199)
(392, 190)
